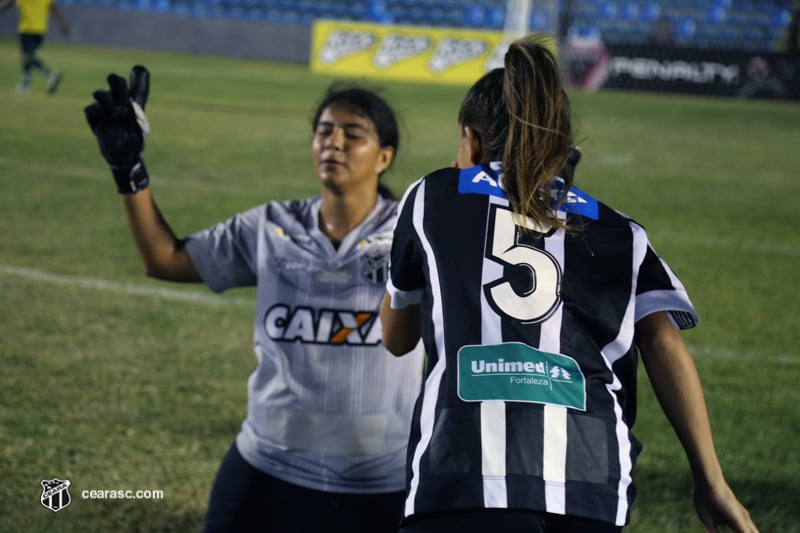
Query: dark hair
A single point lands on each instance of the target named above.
(522, 116)
(369, 105)
(484, 110)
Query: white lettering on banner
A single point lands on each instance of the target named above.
(451, 52)
(341, 44)
(648, 69)
(395, 48)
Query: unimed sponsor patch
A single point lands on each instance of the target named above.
(516, 372)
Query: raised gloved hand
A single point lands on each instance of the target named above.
(118, 121)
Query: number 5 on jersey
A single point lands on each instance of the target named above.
(537, 301)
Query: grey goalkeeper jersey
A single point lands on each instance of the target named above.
(328, 407)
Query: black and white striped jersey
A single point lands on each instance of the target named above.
(529, 396)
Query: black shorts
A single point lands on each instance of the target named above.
(505, 520)
(244, 498)
(30, 42)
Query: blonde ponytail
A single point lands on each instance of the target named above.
(539, 140)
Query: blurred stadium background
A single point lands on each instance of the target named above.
(756, 25)
(724, 47)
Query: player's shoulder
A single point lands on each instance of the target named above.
(434, 182)
(383, 216)
(290, 212)
(444, 173)
(576, 201)
(296, 207)
(442, 178)
(601, 214)
(581, 203)
(480, 179)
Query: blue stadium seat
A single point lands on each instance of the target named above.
(357, 10)
(585, 9)
(454, 17)
(650, 11)
(580, 31)
(377, 12)
(496, 18)
(179, 7)
(749, 24)
(539, 20)
(716, 14)
(629, 11)
(781, 17)
(684, 30)
(475, 16)
(607, 10)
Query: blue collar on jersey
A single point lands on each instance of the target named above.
(488, 180)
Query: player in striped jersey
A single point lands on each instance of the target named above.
(329, 409)
(532, 299)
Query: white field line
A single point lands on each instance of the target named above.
(164, 293)
(101, 173)
(700, 352)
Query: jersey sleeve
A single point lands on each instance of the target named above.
(659, 289)
(406, 266)
(225, 254)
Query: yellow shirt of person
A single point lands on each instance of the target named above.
(33, 16)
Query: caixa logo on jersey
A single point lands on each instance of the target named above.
(329, 326)
(55, 494)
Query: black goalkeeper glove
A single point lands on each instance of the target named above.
(118, 121)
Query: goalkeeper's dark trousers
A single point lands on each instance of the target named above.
(244, 498)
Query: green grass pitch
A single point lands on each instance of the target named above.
(115, 381)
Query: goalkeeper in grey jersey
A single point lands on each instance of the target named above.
(329, 409)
